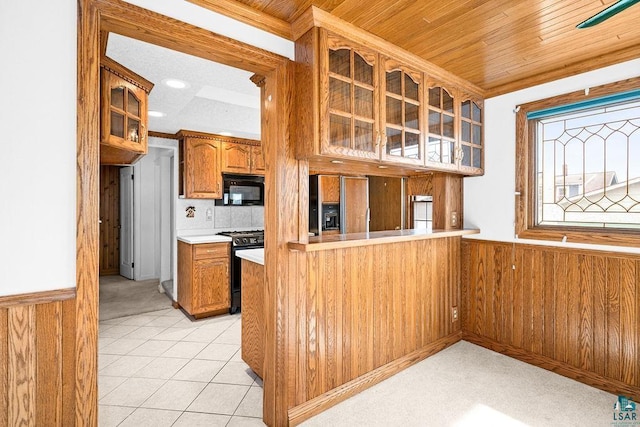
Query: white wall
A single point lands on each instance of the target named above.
(38, 162)
(489, 201)
(38, 125)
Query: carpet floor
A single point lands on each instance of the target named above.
(123, 297)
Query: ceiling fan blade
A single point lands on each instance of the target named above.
(607, 13)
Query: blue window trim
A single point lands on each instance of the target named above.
(581, 105)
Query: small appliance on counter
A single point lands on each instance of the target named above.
(422, 212)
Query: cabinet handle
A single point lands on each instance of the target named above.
(461, 154)
(378, 138)
(143, 133)
(218, 187)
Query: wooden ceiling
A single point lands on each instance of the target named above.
(499, 45)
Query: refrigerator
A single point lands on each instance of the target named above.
(354, 205)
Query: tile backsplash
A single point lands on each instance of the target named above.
(223, 217)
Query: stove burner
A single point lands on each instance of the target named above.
(245, 238)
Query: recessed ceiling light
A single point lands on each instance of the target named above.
(156, 113)
(175, 83)
(225, 133)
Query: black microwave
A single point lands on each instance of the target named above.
(242, 190)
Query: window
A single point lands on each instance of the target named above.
(578, 166)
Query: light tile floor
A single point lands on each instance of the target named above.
(162, 369)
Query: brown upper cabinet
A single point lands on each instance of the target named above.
(402, 110)
(471, 153)
(123, 114)
(204, 157)
(381, 107)
(200, 176)
(350, 117)
(243, 158)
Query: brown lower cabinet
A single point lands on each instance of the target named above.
(203, 278)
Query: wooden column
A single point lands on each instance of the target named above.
(87, 249)
(283, 178)
(447, 201)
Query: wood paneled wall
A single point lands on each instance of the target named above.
(37, 364)
(363, 309)
(575, 312)
(109, 220)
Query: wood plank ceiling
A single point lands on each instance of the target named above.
(499, 45)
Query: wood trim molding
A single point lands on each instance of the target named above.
(129, 20)
(37, 297)
(125, 73)
(220, 138)
(551, 246)
(560, 368)
(151, 27)
(248, 15)
(525, 175)
(85, 354)
(321, 403)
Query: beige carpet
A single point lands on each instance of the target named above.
(469, 386)
(123, 297)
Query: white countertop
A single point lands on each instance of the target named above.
(204, 238)
(253, 255)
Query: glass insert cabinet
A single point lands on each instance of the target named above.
(123, 121)
(376, 108)
(351, 116)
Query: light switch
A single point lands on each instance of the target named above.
(209, 214)
(454, 219)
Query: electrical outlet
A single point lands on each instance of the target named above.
(454, 219)
(454, 314)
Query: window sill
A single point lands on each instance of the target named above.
(589, 236)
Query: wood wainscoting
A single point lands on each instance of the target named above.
(37, 364)
(572, 311)
(364, 313)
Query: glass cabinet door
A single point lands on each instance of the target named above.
(350, 105)
(126, 112)
(471, 135)
(441, 135)
(402, 112)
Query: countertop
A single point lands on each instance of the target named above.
(204, 238)
(334, 241)
(253, 255)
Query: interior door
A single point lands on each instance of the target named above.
(126, 222)
(354, 204)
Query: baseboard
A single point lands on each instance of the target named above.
(321, 403)
(560, 368)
